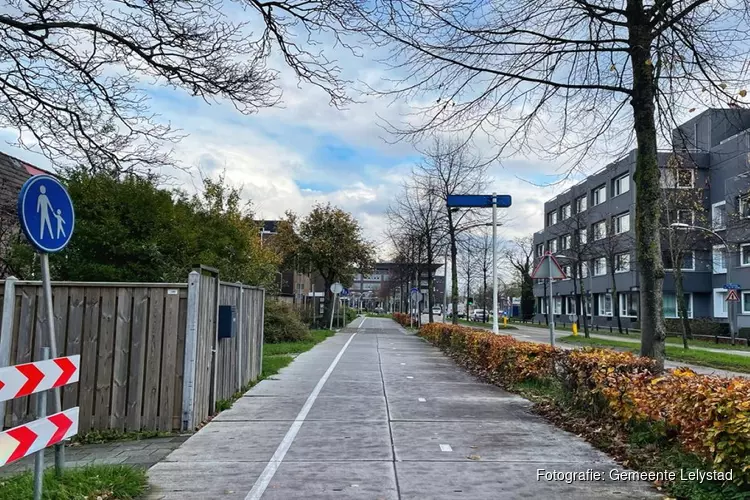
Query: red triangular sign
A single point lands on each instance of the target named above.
(732, 296)
(548, 268)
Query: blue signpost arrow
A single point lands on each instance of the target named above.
(48, 219)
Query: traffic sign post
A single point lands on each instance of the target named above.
(47, 218)
(485, 201)
(548, 268)
(37, 378)
(336, 289)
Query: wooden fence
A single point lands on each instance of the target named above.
(140, 367)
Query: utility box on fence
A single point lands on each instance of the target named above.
(227, 322)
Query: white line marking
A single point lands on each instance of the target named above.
(363, 322)
(265, 478)
(403, 364)
(409, 377)
(422, 400)
(445, 447)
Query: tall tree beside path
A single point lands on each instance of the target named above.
(74, 73)
(557, 76)
(449, 167)
(520, 254)
(329, 241)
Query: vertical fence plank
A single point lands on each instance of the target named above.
(168, 360)
(180, 361)
(88, 358)
(24, 346)
(120, 361)
(39, 339)
(107, 312)
(137, 357)
(153, 360)
(76, 308)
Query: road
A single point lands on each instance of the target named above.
(375, 412)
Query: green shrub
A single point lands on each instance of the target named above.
(282, 323)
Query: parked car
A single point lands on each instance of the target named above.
(436, 310)
(479, 315)
(379, 310)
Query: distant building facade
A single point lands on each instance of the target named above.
(710, 160)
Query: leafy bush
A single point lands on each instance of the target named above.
(705, 415)
(401, 318)
(282, 323)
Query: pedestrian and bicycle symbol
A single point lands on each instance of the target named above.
(46, 213)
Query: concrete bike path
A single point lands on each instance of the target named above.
(377, 413)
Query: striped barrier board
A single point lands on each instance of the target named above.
(26, 439)
(28, 378)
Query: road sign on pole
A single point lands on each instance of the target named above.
(26, 439)
(479, 200)
(548, 268)
(345, 292)
(336, 288)
(28, 378)
(732, 286)
(732, 295)
(46, 213)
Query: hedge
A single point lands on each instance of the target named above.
(708, 416)
(401, 318)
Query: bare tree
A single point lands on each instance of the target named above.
(578, 253)
(556, 76)
(73, 73)
(615, 247)
(418, 211)
(450, 168)
(520, 255)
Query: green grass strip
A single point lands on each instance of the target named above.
(121, 482)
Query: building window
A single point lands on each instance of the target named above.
(552, 218)
(552, 246)
(671, 307)
(583, 270)
(622, 262)
(598, 195)
(570, 306)
(567, 270)
(599, 230)
(605, 304)
(565, 210)
(556, 305)
(542, 307)
(719, 215)
(540, 249)
(743, 205)
(629, 304)
(745, 254)
(685, 217)
(621, 185)
(720, 303)
(679, 178)
(719, 259)
(600, 266)
(565, 242)
(581, 204)
(688, 261)
(622, 223)
(745, 302)
(581, 236)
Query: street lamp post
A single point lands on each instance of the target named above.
(730, 304)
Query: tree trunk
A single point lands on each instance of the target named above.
(328, 302)
(681, 306)
(648, 191)
(527, 296)
(583, 311)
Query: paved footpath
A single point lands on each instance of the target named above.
(377, 413)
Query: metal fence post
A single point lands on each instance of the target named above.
(6, 331)
(191, 340)
(262, 331)
(240, 334)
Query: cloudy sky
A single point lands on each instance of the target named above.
(306, 151)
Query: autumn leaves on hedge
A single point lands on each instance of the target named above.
(706, 415)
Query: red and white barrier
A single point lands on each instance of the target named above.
(28, 378)
(26, 439)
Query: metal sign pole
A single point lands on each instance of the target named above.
(50, 315)
(445, 289)
(333, 308)
(551, 317)
(494, 264)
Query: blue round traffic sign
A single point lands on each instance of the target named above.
(344, 292)
(46, 213)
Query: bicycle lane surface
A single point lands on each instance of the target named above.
(377, 413)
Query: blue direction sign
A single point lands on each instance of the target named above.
(46, 213)
(732, 286)
(344, 292)
(478, 200)
(414, 290)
